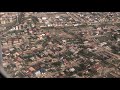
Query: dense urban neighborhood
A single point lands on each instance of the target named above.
(60, 44)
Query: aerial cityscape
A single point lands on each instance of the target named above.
(60, 44)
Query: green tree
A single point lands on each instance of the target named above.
(34, 19)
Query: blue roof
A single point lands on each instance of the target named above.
(42, 70)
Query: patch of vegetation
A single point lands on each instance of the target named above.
(115, 49)
(68, 55)
(82, 66)
(34, 19)
(27, 56)
(80, 74)
(57, 64)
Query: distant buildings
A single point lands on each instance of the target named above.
(61, 44)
